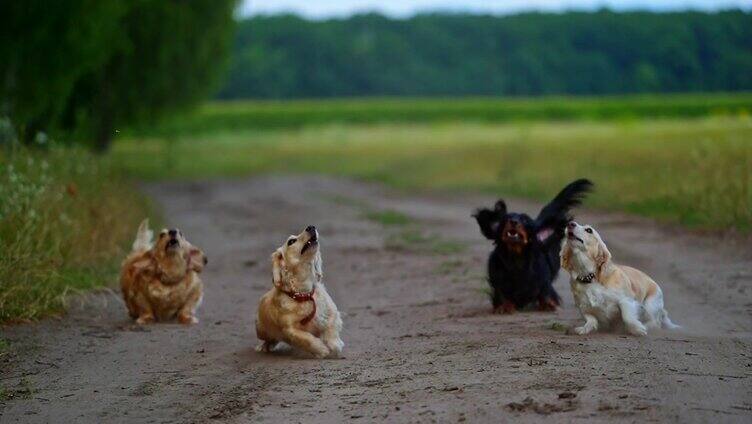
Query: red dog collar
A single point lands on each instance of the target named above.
(304, 297)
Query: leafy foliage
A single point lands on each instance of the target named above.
(526, 54)
(168, 57)
(82, 68)
(45, 47)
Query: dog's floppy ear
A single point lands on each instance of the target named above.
(544, 233)
(602, 257)
(278, 262)
(500, 208)
(566, 256)
(490, 220)
(317, 268)
(197, 258)
(145, 263)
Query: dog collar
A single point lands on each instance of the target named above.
(304, 297)
(586, 279)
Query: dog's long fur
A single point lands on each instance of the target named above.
(297, 271)
(617, 295)
(525, 259)
(160, 280)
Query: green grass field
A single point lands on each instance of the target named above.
(697, 172)
(257, 115)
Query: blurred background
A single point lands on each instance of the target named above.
(650, 99)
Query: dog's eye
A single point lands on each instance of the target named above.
(589, 230)
(291, 241)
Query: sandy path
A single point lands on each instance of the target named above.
(420, 342)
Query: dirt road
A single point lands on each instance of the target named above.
(421, 345)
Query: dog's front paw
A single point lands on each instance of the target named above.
(145, 319)
(187, 319)
(335, 348)
(547, 304)
(505, 309)
(265, 347)
(637, 329)
(582, 330)
(321, 353)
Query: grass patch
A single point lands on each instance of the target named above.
(451, 265)
(66, 220)
(389, 218)
(695, 172)
(415, 240)
(456, 269)
(4, 347)
(342, 200)
(557, 326)
(25, 390)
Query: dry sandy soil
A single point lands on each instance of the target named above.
(421, 344)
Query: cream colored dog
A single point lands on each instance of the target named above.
(298, 310)
(607, 293)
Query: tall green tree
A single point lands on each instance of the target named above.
(45, 47)
(168, 56)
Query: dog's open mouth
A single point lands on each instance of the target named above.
(172, 244)
(309, 244)
(313, 241)
(571, 236)
(513, 235)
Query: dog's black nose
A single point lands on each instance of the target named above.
(572, 224)
(311, 229)
(173, 233)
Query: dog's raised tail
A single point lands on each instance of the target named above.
(143, 237)
(556, 212)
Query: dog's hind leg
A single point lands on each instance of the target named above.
(306, 341)
(630, 313)
(666, 321)
(656, 314)
(653, 310)
(548, 300)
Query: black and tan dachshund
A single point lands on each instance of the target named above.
(525, 260)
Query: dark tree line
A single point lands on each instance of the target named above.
(81, 69)
(526, 54)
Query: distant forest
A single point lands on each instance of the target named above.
(601, 52)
